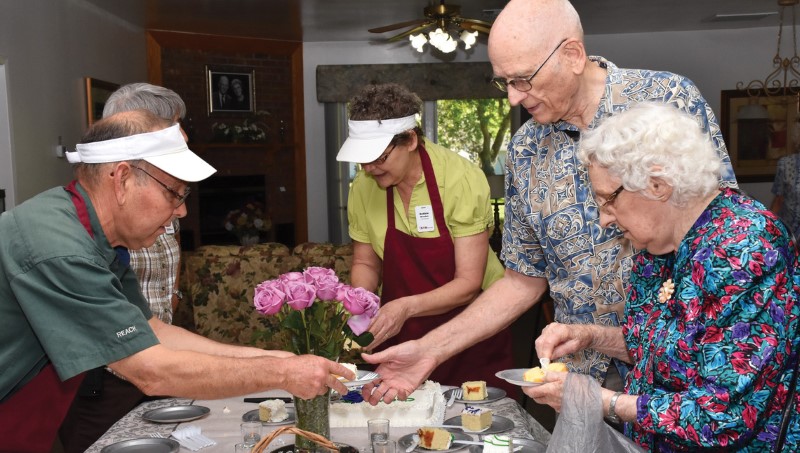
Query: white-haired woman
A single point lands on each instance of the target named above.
(711, 319)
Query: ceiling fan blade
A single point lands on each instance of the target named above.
(396, 26)
(411, 31)
(475, 25)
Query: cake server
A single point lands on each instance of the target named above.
(414, 443)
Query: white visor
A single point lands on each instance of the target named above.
(165, 149)
(367, 140)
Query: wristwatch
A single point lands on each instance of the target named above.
(612, 413)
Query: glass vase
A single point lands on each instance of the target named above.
(312, 415)
(248, 239)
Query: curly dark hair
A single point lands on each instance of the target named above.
(386, 101)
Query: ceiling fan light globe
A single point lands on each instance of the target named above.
(418, 41)
(469, 38)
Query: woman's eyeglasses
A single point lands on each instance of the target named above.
(609, 202)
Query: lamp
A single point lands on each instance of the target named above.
(787, 66)
(442, 40)
(497, 192)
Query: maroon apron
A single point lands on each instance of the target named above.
(413, 265)
(30, 418)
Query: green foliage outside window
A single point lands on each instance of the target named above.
(478, 127)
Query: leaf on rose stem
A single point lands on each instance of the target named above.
(362, 340)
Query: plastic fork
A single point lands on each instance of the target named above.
(369, 376)
(454, 395)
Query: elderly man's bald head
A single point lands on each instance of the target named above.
(527, 29)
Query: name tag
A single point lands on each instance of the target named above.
(425, 221)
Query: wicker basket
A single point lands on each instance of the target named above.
(261, 446)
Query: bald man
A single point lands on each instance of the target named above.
(552, 235)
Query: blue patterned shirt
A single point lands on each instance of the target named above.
(552, 227)
(787, 185)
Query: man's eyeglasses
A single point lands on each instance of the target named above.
(523, 83)
(382, 158)
(179, 199)
(608, 202)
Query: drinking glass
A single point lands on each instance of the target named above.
(384, 446)
(242, 448)
(378, 429)
(251, 433)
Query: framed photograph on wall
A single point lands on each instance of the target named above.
(759, 129)
(97, 93)
(230, 91)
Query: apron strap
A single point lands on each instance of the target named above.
(433, 193)
(30, 418)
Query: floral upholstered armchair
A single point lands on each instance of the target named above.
(218, 282)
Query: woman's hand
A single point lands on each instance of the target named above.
(550, 392)
(388, 322)
(557, 340)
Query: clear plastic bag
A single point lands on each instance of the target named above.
(580, 426)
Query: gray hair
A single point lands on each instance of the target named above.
(134, 96)
(655, 140)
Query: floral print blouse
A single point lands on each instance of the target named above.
(713, 363)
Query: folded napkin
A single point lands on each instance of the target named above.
(191, 437)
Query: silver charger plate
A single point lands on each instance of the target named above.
(406, 441)
(176, 414)
(145, 444)
(252, 416)
(528, 446)
(499, 424)
(514, 376)
(492, 394)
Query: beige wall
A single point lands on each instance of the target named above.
(49, 46)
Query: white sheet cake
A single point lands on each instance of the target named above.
(425, 406)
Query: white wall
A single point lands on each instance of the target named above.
(49, 46)
(714, 60)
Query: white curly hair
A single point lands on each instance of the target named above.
(654, 140)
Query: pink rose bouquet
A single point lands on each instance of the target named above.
(318, 310)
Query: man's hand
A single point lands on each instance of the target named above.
(307, 376)
(557, 340)
(550, 392)
(402, 368)
(388, 322)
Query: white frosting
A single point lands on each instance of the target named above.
(495, 443)
(427, 408)
(277, 409)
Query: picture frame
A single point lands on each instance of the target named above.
(230, 91)
(97, 93)
(759, 129)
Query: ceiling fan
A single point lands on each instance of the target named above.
(440, 20)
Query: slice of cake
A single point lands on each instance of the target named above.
(476, 418)
(494, 443)
(536, 374)
(474, 390)
(351, 367)
(272, 411)
(434, 438)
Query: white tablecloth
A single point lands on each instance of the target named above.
(224, 427)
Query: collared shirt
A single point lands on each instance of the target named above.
(787, 185)
(65, 297)
(465, 197)
(552, 226)
(157, 269)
